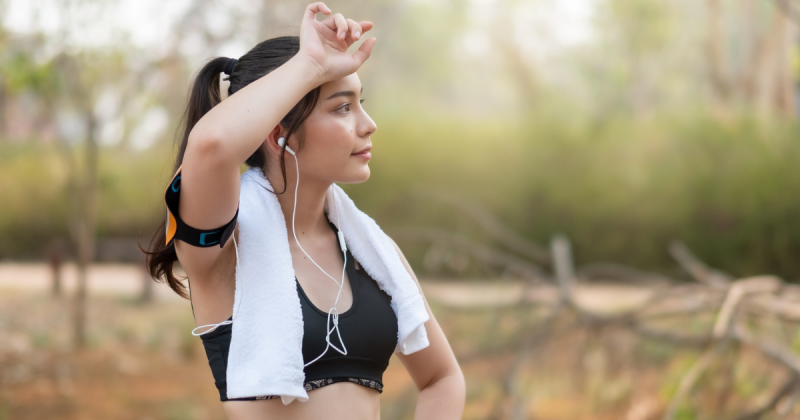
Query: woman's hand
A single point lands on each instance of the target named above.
(325, 43)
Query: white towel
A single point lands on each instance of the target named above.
(265, 356)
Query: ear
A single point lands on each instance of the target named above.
(272, 140)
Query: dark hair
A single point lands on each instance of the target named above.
(204, 94)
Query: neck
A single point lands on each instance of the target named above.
(309, 218)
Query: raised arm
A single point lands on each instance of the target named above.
(228, 133)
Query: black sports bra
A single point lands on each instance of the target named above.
(368, 329)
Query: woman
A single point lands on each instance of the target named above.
(300, 95)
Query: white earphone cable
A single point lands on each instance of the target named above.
(227, 321)
(341, 285)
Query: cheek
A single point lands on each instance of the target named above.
(332, 136)
(329, 143)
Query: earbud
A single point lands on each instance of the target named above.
(282, 141)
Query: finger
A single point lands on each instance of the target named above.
(326, 28)
(314, 8)
(329, 22)
(341, 25)
(364, 51)
(332, 23)
(354, 31)
(365, 26)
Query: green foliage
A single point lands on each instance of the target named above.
(36, 198)
(744, 383)
(643, 26)
(796, 62)
(21, 71)
(685, 413)
(796, 342)
(621, 189)
(33, 192)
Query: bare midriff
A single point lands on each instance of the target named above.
(337, 401)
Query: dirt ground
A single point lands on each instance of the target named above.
(142, 363)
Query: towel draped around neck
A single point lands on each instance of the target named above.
(265, 355)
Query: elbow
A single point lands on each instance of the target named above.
(448, 394)
(460, 381)
(457, 383)
(453, 380)
(206, 143)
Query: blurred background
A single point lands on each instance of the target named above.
(599, 197)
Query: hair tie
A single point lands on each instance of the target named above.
(228, 69)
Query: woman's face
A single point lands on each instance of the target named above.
(337, 128)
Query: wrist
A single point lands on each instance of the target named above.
(309, 69)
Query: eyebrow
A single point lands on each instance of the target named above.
(344, 93)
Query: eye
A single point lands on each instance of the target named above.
(346, 107)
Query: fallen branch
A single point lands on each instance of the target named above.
(479, 251)
(735, 294)
(725, 300)
(562, 262)
(620, 272)
(770, 348)
(486, 220)
(699, 270)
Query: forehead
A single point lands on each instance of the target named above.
(349, 82)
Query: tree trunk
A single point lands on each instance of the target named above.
(785, 89)
(147, 284)
(55, 256)
(768, 67)
(718, 60)
(3, 107)
(85, 229)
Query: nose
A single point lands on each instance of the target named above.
(367, 127)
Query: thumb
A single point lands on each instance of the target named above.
(364, 51)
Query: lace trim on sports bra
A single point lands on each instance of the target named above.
(319, 383)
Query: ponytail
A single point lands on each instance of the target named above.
(203, 96)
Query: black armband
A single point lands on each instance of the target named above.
(177, 228)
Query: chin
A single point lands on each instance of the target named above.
(366, 174)
(357, 178)
(363, 178)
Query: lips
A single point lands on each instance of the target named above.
(364, 150)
